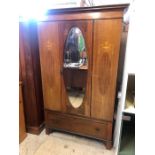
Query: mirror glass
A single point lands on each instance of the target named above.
(75, 67)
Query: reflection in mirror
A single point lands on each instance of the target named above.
(75, 67)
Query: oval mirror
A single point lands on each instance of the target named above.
(75, 67)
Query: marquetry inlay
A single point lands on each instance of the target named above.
(65, 32)
(107, 47)
(49, 44)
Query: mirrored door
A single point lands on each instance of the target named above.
(75, 66)
(76, 48)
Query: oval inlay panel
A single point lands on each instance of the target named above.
(105, 72)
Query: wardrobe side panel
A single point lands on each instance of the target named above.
(107, 35)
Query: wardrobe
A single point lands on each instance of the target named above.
(79, 51)
(30, 76)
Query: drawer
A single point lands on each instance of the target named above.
(76, 124)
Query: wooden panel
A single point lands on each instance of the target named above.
(105, 61)
(78, 125)
(78, 80)
(22, 128)
(30, 75)
(27, 74)
(50, 64)
(84, 16)
(86, 29)
(122, 55)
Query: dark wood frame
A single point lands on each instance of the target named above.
(87, 9)
(30, 75)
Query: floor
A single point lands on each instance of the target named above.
(59, 143)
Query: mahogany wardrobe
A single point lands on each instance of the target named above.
(79, 51)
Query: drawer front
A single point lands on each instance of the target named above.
(76, 124)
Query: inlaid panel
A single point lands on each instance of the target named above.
(50, 64)
(105, 59)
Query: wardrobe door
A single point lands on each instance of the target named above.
(50, 64)
(76, 81)
(107, 35)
